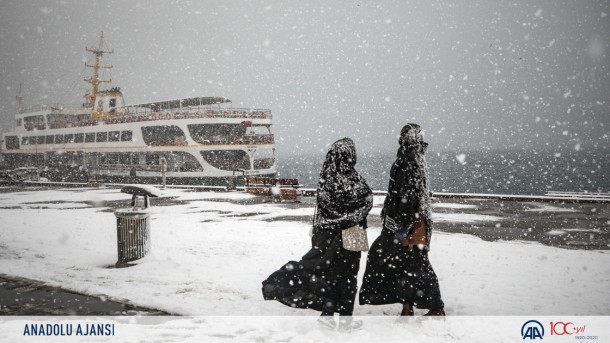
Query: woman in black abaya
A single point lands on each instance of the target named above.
(398, 269)
(325, 279)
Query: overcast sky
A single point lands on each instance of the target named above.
(475, 74)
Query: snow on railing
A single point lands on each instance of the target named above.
(121, 117)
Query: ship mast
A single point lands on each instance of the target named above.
(94, 80)
(19, 99)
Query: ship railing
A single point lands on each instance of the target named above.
(35, 108)
(127, 117)
(195, 113)
(127, 167)
(238, 140)
(53, 108)
(67, 107)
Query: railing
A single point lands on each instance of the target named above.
(54, 109)
(243, 140)
(127, 167)
(245, 113)
(127, 117)
(67, 107)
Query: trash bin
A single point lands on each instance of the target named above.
(133, 234)
(133, 225)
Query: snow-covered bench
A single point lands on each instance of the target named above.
(277, 189)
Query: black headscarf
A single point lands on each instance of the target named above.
(408, 191)
(411, 143)
(344, 198)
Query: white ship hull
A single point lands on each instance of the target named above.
(190, 158)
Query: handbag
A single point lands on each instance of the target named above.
(418, 235)
(355, 239)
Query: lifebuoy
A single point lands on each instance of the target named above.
(168, 116)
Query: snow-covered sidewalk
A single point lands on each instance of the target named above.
(210, 253)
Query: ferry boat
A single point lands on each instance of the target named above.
(200, 140)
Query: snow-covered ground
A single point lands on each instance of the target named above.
(210, 252)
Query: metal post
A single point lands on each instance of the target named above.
(163, 166)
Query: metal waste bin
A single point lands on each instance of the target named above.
(133, 234)
(133, 226)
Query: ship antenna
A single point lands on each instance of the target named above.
(19, 99)
(94, 80)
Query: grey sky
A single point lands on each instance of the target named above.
(475, 74)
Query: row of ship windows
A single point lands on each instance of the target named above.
(92, 137)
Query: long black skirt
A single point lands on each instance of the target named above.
(325, 279)
(395, 274)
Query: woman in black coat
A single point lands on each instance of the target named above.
(325, 279)
(398, 269)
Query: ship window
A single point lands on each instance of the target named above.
(59, 139)
(227, 159)
(217, 133)
(12, 142)
(112, 102)
(60, 120)
(128, 159)
(126, 136)
(185, 162)
(78, 137)
(152, 159)
(105, 159)
(19, 122)
(69, 138)
(113, 136)
(110, 159)
(89, 137)
(258, 130)
(101, 137)
(50, 139)
(40, 140)
(33, 122)
(163, 135)
(25, 140)
(264, 158)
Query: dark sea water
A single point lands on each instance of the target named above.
(501, 172)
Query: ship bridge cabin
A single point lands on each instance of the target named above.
(107, 102)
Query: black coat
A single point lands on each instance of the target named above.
(408, 193)
(396, 274)
(327, 272)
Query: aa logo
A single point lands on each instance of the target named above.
(532, 329)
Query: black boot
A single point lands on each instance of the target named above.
(407, 309)
(440, 313)
(327, 319)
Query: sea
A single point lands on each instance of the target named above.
(522, 172)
